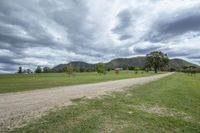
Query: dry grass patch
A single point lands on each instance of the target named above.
(113, 126)
(162, 112)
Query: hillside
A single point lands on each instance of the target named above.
(124, 62)
(179, 63)
(77, 64)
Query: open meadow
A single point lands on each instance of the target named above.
(167, 105)
(26, 82)
(99, 66)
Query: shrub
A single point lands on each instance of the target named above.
(101, 68)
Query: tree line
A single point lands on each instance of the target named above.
(37, 70)
(191, 70)
(156, 61)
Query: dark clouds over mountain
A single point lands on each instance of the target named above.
(49, 32)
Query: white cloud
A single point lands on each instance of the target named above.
(38, 32)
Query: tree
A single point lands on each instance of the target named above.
(157, 60)
(191, 70)
(38, 69)
(131, 68)
(101, 68)
(109, 69)
(46, 70)
(20, 70)
(147, 66)
(69, 70)
(82, 69)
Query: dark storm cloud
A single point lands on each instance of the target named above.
(49, 32)
(124, 21)
(177, 54)
(7, 64)
(125, 37)
(181, 26)
(73, 19)
(25, 22)
(7, 60)
(145, 50)
(8, 68)
(82, 31)
(194, 57)
(33, 24)
(26, 25)
(168, 27)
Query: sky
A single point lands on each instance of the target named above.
(50, 32)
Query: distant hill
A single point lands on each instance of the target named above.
(77, 64)
(180, 63)
(124, 62)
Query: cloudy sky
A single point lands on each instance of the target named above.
(50, 32)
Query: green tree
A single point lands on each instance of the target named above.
(157, 60)
(20, 70)
(147, 66)
(131, 68)
(101, 68)
(81, 70)
(46, 70)
(69, 70)
(38, 69)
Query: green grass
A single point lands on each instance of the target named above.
(169, 105)
(23, 82)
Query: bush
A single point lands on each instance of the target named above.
(69, 70)
(38, 69)
(46, 70)
(191, 70)
(101, 68)
(131, 68)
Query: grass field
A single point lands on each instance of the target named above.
(169, 105)
(23, 82)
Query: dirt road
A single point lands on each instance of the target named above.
(17, 109)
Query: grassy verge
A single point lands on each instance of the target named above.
(169, 105)
(17, 82)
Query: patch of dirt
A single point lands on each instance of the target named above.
(17, 109)
(77, 100)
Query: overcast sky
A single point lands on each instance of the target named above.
(50, 32)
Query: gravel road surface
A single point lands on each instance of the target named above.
(17, 109)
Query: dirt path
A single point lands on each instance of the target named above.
(16, 109)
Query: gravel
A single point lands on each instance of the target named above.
(18, 109)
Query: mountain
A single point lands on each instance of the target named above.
(140, 62)
(180, 63)
(124, 62)
(77, 64)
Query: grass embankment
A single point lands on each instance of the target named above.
(23, 82)
(171, 104)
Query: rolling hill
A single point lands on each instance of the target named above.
(124, 62)
(77, 64)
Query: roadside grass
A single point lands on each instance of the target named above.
(171, 104)
(23, 82)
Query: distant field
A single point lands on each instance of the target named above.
(23, 82)
(168, 105)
